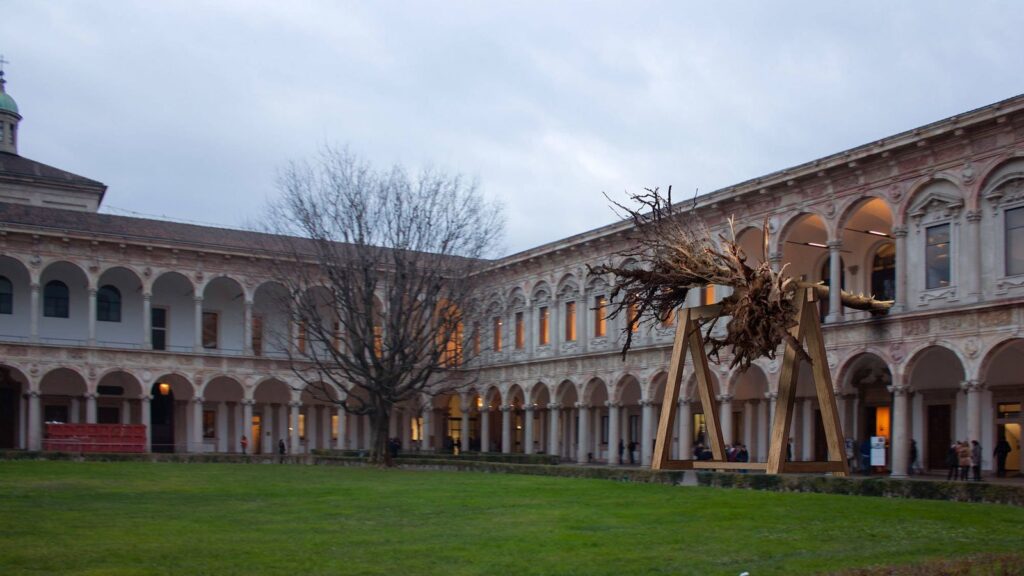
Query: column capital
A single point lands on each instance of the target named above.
(579, 405)
(529, 407)
(725, 398)
(554, 406)
(970, 386)
(974, 216)
(295, 404)
(775, 257)
(33, 394)
(90, 395)
(834, 245)
(505, 407)
(899, 231)
(683, 401)
(145, 397)
(248, 402)
(198, 400)
(900, 390)
(147, 296)
(771, 396)
(92, 291)
(645, 403)
(197, 299)
(610, 404)
(34, 286)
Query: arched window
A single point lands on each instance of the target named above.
(6, 296)
(108, 304)
(55, 299)
(883, 273)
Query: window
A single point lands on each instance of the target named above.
(378, 341)
(334, 426)
(570, 321)
(600, 321)
(301, 342)
(1, 132)
(108, 415)
(451, 351)
(667, 318)
(520, 335)
(6, 296)
(883, 273)
(257, 335)
(209, 423)
(937, 256)
(1014, 241)
(209, 329)
(55, 299)
(497, 334)
(336, 336)
(108, 304)
(543, 335)
(158, 328)
(302, 426)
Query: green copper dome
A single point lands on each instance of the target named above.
(7, 104)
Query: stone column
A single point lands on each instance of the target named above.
(748, 424)
(467, 405)
(222, 427)
(92, 316)
(528, 429)
(582, 436)
(725, 417)
(340, 443)
(900, 234)
(246, 425)
(293, 427)
(247, 329)
(126, 411)
(900, 439)
(841, 407)
(90, 408)
(506, 429)
(34, 313)
(613, 433)
(646, 422)
(146, 421)
(267, 430)
(35, 422)
(685, 430)
(835, 273)
(974, 267)
(772, 397)
(311, 421)
(76, 411)
(762, 431)
(775, 261)
(197, 344)
(485, 429)
(856, 419)
(553, 412)
(147, 321)
(973, 389)
(807, 436)
(325, 427)
(196, 440)
(427, 431)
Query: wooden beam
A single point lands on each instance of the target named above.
(826, 394)
(786, 395)
(663, 442)
(712, 465)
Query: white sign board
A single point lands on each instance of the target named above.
(878, 450)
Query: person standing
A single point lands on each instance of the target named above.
(952, 461)
(245, 444)
(976, 460)
(963, 454)
(622, 448)
(915, 467)
(1002, 450)
(281, 447)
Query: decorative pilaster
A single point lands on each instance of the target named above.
(835, 282)
(92, 316)
(900, 234)
(247, 329)
(973, 248)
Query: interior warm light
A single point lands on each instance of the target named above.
(817, 245)
(877, 233)
(479, 402)
(164, 388)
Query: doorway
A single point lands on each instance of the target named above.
(256, 433)
(939, 435)
(9, 404)
(1012, 434)
(161, 418)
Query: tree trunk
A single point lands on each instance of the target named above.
(380, 420)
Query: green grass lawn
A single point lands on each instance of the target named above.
(160, 518)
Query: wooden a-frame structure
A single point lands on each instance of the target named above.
(808, 331)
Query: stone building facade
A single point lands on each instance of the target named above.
(114, 319)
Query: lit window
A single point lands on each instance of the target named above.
(301, 342)
(336, 336)
(631, 313)
(708, 295)
(378, 341)
(302, 426)
(937, 256)
(108, 304)
(209, 424)
(570, 321)
(476, 338)
(334, 426)
(1014, 241)
(6, 296)
(600, 319)
(497, 334)
(209, 329)
(668, 318)
(55, 299)
(257, 335)
(543, 332)
(520, 335)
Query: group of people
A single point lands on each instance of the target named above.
(964, 458)
(736, 452)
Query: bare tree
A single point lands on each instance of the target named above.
(380, 273)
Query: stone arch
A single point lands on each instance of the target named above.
(17, 320)
(123, 325)
(595, 392)
(933, 192)
(70, 323)
(13, 385)
(174, 293)
(749, 384)
(224, 297)
(1001, 365)
(222, 388)
(540, 395)
(751, 240)
(802, 242)
(515, 396)
(124, 378)
(628, 391)
(272, 315)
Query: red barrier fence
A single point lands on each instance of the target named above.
(129, 438)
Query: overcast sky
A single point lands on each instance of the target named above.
(188, 109)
